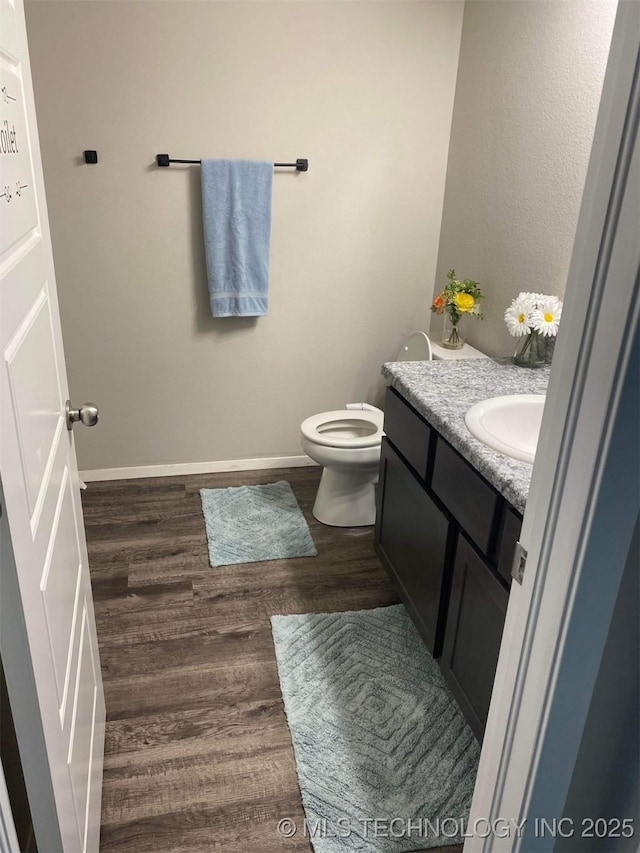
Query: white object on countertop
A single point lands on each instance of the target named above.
(441, 353)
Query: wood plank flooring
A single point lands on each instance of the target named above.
(198, 752)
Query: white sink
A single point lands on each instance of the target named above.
(510, 425)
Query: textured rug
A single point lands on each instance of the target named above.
(249, 524)
(385, 759)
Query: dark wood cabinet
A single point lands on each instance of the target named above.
(411, 435)
(447, 539)
(475, 621)
(471, 501)
(413, 538)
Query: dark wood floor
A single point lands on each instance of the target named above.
(198, 752)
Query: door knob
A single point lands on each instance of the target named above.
(87, 413)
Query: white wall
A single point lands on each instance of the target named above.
(364, 90)
(527, 95)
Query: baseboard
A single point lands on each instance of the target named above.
(194, 468)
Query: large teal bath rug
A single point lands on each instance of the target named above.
(385, 759)
(248, 524)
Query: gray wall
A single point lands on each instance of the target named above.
(527, 94)
(364, 90)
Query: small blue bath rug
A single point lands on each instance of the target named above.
(376, 733)
(249, 524)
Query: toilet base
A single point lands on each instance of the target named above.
(346, 499)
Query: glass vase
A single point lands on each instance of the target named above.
(451, 335)
(532, 350)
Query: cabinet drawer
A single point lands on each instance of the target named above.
(465, 494)
(413, 539)
(407, 431)
(475, 622)
(510, 534)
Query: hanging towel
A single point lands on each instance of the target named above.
(236, 206)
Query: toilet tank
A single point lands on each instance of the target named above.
(416, 348)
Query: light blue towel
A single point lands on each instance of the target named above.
(236, 206)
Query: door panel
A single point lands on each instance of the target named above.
(39, 469)
(58, 586)
(82, 727)
(35, 396)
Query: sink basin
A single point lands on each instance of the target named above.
(510, 425)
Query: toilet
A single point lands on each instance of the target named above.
(346, 442)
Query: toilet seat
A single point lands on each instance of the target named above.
(346, 443)
(344, 428)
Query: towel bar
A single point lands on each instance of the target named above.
(164, 160)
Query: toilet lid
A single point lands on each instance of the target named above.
(344, 428)
(416, 348)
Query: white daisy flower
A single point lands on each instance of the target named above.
(518, 315)
(536, 299)
(527, 300)
(546, 317)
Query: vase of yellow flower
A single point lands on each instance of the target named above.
(451, 338)
(457, 300)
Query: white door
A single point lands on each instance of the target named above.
(38, 463)
(582, 508)
(8, 837)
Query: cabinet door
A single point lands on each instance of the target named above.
(470, 500)
(412, 536)
(407, 431)
(475, 621)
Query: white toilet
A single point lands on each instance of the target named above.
(347, 443)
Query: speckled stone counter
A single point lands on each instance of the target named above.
(443, 391)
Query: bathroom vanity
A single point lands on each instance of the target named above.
(449, 512)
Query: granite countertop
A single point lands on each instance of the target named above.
(442, 391)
